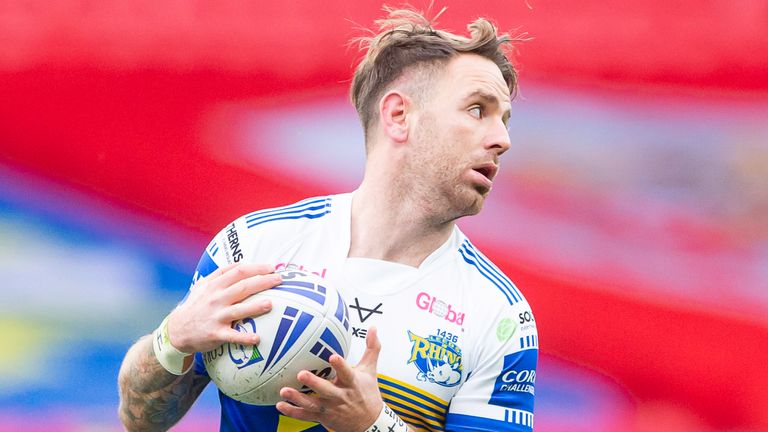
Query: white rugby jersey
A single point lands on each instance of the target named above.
(459, 341)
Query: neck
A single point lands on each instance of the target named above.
(391, 224)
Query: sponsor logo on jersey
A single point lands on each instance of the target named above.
(505, 329)
(433, 305)
(526, 320)
(368, 311)
(437, 357)
(364, 312)
(292, 266)
(516, 384)
(244, 355)
(234, 253)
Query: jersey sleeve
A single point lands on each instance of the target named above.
(226, 247)
(498, 394)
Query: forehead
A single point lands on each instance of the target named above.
(468, 73)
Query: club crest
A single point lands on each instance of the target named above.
(437, 358)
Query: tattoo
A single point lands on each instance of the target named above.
(151, 398)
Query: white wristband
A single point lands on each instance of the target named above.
(388, 421)
(173, 360)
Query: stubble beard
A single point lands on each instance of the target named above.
(438, 180)
(441, 190)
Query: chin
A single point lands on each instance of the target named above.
(473, 205)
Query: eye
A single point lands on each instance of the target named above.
(476, 111)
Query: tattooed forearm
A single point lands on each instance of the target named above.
(151, 399)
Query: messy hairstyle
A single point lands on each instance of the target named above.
(407, 42)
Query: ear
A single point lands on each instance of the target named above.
(393, 115)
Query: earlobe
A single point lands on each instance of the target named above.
(393, 114)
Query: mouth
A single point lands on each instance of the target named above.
(487, 170)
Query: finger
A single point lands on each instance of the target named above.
(213, 275)
(321, 386)
(239, 338)
(292, 411)
(247, 287)
(301, 400)
(240, 272)
(221, 270)
(372, 349)
(345, 376)
(252, 308)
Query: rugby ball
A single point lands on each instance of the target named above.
(308, 322)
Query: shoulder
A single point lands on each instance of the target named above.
(298, 213)
(484, 274)
(246, 237)
(497, 299)
(281, 221)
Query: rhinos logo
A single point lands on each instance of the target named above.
(438, 360)
(244, 355)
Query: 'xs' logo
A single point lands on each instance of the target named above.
(361, 309)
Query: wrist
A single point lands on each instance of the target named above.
(388, 421)
(169, 357)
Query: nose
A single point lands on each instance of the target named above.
(498, 138)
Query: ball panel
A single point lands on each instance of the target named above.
(308, 322)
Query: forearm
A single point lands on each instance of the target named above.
(151, 398)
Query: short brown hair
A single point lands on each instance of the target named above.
(407, 40)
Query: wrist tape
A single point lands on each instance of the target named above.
(173, 360)
(388, 421)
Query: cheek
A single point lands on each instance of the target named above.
(445, 147)
(460, 142)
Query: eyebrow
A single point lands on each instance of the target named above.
(482, 94)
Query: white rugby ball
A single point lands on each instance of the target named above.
(308, 322)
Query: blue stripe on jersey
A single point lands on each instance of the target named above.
(299, 205)
(413, 396)
(494, 271)
(515, 421)
(437, 419)
(311, 208)
(254, 220)
(213, 248)
(474, 258)
(298, 216)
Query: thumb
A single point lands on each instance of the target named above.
(372, 350)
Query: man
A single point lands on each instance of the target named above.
(460, 344)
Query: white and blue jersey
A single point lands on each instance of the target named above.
(459, 341)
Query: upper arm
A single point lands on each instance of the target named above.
(499, 392)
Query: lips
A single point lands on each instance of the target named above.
(488, 170)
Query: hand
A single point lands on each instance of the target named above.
(351, 402)
(204, 320)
